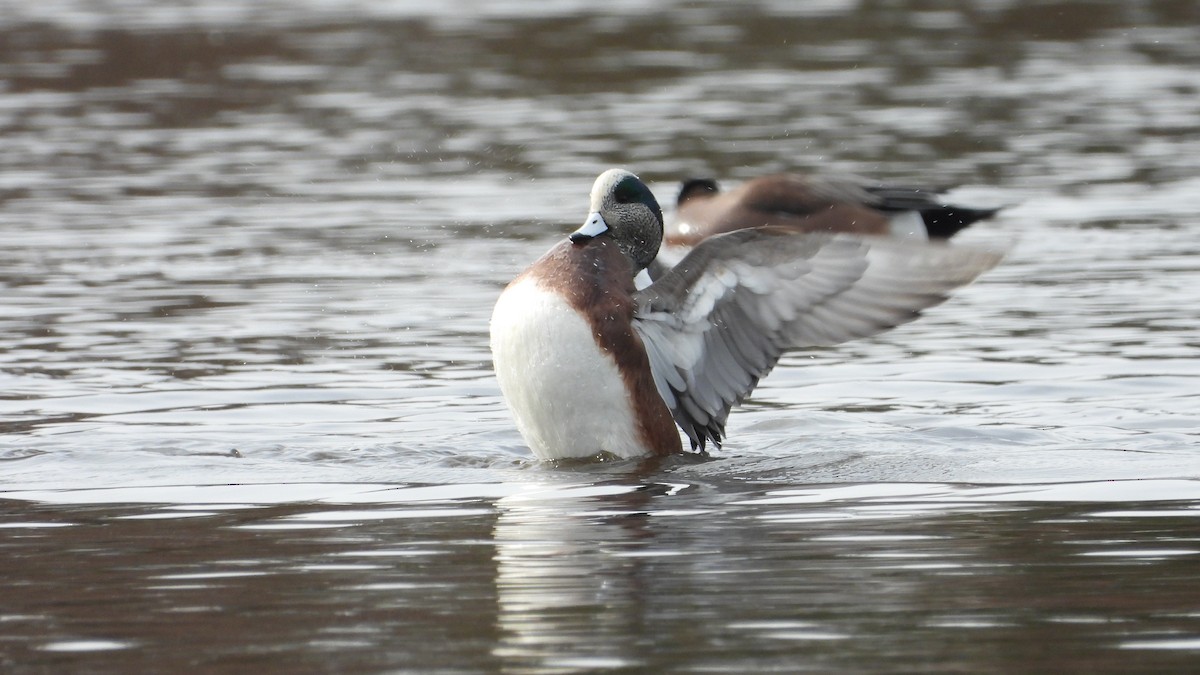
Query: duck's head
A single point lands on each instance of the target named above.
(696, 188)
(624, 209)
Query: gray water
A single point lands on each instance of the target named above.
(249, 250)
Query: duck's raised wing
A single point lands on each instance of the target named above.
(720, 319)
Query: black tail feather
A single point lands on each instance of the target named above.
(946, 220)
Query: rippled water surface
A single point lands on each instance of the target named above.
(247, 416)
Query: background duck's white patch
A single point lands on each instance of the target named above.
(908, 225)
(567, 396)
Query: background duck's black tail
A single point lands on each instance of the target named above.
(944, 221)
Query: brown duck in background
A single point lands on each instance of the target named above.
(817, 204)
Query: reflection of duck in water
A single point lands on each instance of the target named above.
(816, 204)
(590, 366)
(570, 586)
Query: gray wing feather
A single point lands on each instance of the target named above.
(719, 320)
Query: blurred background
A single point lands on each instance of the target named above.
(274, 198)
(248, 252)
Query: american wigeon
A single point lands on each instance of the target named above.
(590, 366)
(817, 204)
